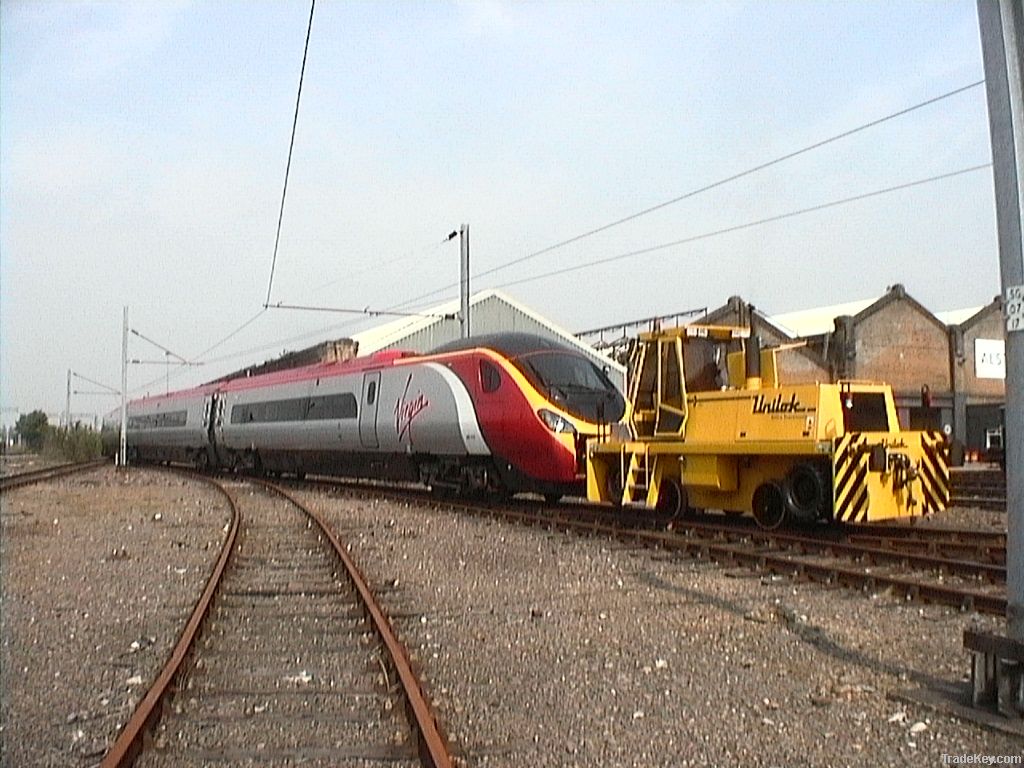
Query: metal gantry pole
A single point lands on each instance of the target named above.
(464, 280)
(1001, 23)
(122, 453)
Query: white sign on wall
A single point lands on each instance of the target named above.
(990, 358)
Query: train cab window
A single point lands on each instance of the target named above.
(371, 393)
(490, 378)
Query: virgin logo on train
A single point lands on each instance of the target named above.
(406, 410)
(778, 405)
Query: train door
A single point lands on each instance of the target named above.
(215, 429)
(368, 410)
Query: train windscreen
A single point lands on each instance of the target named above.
(571, 380)
(574, 383)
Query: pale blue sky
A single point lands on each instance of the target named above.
(143, 145)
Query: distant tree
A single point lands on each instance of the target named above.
(32, 429)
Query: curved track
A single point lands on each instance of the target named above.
(285, 660)
(962, 568)
(9, 482)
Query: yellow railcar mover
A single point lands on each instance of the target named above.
(713, 428)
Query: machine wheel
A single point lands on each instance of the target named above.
(671, 499)
(769, 506)
(805, 492)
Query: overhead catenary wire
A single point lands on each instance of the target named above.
(638, 252)
(596, 230)
(707, 187)
(291, 147)
(748, 225)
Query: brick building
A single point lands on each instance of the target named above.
(946, 369)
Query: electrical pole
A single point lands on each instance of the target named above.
(464, 280)
(67, 404)
(1001, 23)
(122, 454)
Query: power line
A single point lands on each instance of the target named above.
(709, 187)
(234, 333)
(576, 238)
(291, 146)
(365, 311)
(748, 225)
(380, 266)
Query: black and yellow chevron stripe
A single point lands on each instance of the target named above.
(850, 470)
(934, 471)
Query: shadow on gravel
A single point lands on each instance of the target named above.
(810, 634)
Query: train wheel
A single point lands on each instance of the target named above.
(769, 506)
(671, 499)
(552, 498)
(202, 461)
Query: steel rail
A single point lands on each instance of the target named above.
(9, 482)
(130, 740)
(923, 534)
(433, 746)
(855, 550)
(604, 521)
(979, 553)
(772, 562)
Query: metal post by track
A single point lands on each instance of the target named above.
(464, 280)
(998, 662)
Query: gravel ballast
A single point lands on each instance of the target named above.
(539, 648)
(550, 649)
(99, 573)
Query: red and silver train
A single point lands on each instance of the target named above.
(508, 412)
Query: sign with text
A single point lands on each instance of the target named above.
(990, 358)
(1014, 308)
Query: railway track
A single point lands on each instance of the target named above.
(9, 482)
(981, 488)
(958, 567)
(287, 659)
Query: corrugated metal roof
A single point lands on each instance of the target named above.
(491, 311)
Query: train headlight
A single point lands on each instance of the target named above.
(555, 422)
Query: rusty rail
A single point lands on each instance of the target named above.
(10, 482)
(433, 747)
(129, 741)
(773, 562)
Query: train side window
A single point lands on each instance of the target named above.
(490, 378)
(371, 393)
